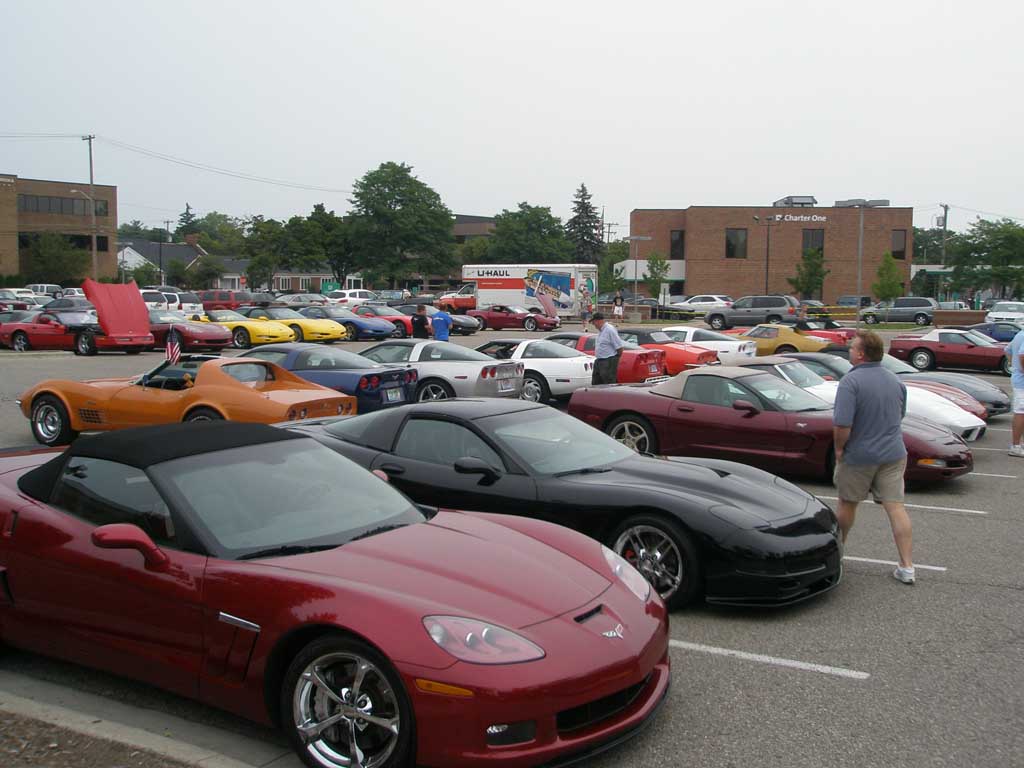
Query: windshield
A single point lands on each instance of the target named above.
(295, 492)
(801, 375)
(679, 335)
(325, 358)
(895, 365)
(550, 349)
(548, 441)
(515, 308)
(387, 312)
(1008, 306)
(783, 395)
(224, 315)
(164, 316)
(280, 313)
(339, 312)
(76, 318)
(980, 339)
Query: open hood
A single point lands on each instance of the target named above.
(120, 308)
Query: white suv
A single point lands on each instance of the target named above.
(352, 297)
(1006, 311)
(48, 288)
(704, 302)
(154, 299)
(185, 302)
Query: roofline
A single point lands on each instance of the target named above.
(57, 181)
(783, 207)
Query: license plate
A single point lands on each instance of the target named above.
(506, 385)
(653, 367)
(393, 395)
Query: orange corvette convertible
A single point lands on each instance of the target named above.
(195, 388)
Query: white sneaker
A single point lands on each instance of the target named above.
(1017, 450)
(906, 575)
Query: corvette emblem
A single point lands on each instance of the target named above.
(611, 634)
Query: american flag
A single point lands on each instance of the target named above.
(173, 347)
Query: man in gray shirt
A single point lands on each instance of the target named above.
(608, 350)
(869, 450)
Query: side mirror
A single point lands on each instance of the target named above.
(470, 465)
(745, 405)
(127, 536)
(828, 378)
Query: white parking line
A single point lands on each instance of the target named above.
(893, 562)
(989, 474)
(922, 506)
(996, 450)
(997, 429)
(773, 660)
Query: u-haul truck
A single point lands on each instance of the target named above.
(554, 289)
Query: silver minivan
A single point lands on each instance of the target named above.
(908, 309)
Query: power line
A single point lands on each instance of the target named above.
(987, 213)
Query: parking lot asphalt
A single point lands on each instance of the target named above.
(874, 673)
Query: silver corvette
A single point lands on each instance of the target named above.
(448, 370)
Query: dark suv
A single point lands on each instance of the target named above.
(909, 309)
(751, 310)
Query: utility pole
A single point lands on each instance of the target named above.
(167, 230)
(945, 220)
(92, 208)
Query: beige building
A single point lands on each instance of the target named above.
(29, 207)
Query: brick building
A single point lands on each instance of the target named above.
(32, 206)
(713, 249)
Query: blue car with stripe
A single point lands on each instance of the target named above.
(374, 386)
(357, 326)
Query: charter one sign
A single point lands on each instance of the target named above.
(803, 217)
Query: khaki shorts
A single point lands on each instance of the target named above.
(883, 481)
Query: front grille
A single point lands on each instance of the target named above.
(90, 416)
(596, 711)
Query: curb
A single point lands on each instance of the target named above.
(116, 732)
(11, 354)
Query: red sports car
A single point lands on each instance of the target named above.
(403, 322)
(261, 572)
(752, 417)
(825, 328)
(636, 365)
(951, 348)
(72, 330)
(679, 356)
(502, 316)
(164, 324)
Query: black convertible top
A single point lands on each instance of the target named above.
(146, 446)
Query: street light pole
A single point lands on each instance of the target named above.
(92, 208)
(769, 222)
(861, 203)
(636, 267)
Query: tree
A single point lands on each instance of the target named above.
(657, 271)
(337, 246)
(991, 255)
(206, 271)
(584, 228)
(264, 245)
(476, 250)
(889, 279)
(810, 274)
(176, 274)
(52, 259)
(529, 235)
(399, 225)
(187, 222)
(145, 274)
(221, 234)
(133, 228)
(607, 278)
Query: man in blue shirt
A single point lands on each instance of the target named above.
(868, 442)
(441, 322)
(1015, 351)
(608, 351)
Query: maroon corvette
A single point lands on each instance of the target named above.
(636, 365)
(499, 317)
(751, 417)
(951, 348)
(258, 571)
(164, 324)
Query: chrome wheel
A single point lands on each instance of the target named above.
(633, 435)
(20, 342)
(653, 552)
(531, 390)
(346, 712)
(432, 391)
(870, 319)
(921, 360)
(530, 324)
(48, 422)
(84, 344)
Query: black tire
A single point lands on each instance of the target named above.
(202, 414)
(20, 343)
(382, 688)
(830, 465)
(717, 322)
(535, 388)
(530, 324)
(640, 533)
(133, 351)
(871, 319)
(50, 422)
(773, 319)
(482, 323)
(433, 389)
(922, 359)
(634, 431)
(400, 331)
(240, 338)
(1006, 367)
(921, 319)
(351, 332)
(85, 344)
(297, 330)
(785, 349)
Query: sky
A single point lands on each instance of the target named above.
(651, 104)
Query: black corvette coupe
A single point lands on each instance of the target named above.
(734, 534)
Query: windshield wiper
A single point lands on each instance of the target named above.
(812, 408)
(287, 549)
(379, 529)
(583, 471)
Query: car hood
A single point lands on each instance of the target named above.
(934, 407)
(826, 391)
(119, 306)
(972, 384)
(462, 565)
(712, 482)
(464, 321)
(202, 329)
(377, 323)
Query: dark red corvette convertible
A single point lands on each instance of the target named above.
(164, 324)
(258, 571)
(751, 417)
(951, 348)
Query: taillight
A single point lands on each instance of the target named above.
(364, 383)
(411, 377)
(792, 311)
(374, 382)
(728, 303)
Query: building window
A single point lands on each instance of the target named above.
(66, 206)
(677, 245)
(735, 243)
(899, 244)
(814, 240)
(304, 283)
(21, 203)
(78, 206)
(102, 209)
(284, 283)
(102, 243)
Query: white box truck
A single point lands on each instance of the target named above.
(554, 289)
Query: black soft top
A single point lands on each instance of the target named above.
(144, 447)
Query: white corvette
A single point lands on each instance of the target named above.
(551, 369)
(711, 340)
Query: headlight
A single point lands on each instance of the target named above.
(478, 642)
(627, 574)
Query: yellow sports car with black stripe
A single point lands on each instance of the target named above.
(775, 339)
(304, 328)
(246, 332)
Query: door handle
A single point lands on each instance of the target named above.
(684, 408)
(392, 469)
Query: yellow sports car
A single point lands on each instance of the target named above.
(246, 332)
(772, 339)
(304, 328)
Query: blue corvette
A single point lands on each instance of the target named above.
(1000, 331)
(374, 386)
(356, 326)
